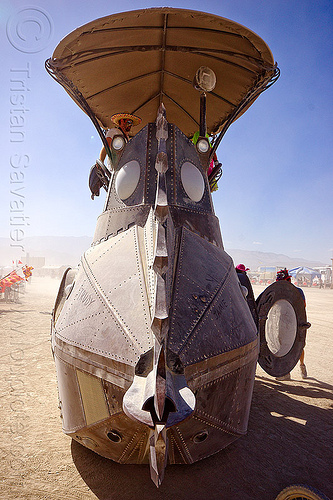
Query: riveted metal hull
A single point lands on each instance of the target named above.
(104, 327)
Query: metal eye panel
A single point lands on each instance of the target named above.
(127, 179)
(192, 181)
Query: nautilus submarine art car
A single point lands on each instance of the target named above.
(154, 343)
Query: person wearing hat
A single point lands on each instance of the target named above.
(98, 176)
(242, 269)
(245, 283)
(123, 123)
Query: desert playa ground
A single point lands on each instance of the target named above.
(289, 439)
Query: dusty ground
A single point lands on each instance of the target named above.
(289, 439)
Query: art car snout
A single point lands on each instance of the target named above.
(159, 394)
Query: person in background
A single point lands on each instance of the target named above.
(245, 282)
(284, 275)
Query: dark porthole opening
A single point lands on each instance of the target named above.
(114, 436)
(200, 437)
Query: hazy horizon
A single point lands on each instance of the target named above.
(67, 250)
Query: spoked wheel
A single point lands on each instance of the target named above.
(300, 492)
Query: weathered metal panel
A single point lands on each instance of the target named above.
(108, 310)
(209, 314)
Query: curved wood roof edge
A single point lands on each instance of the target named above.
(91, 26)
(66, 55)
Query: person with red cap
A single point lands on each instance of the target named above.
(245, 282)
(241, 268)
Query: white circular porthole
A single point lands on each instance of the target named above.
(118, 142)
(203, 145)
(192, 181)
(281, 328)
(127, 179)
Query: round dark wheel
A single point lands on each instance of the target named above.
(282, 328)
(300, 492)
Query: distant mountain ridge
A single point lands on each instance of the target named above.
(254, 259)
(67, 250)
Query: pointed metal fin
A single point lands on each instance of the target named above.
(158, 447)
(160, 389)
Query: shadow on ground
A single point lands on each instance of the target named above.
(288, 441)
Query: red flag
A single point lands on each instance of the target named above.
(9, 281)
(14, 278)
(20, 262)
(27, 271)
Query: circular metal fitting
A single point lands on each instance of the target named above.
(118, 142)
(203, 145)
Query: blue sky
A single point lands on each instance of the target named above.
(276, 191)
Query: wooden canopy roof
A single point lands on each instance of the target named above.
(133, 61)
